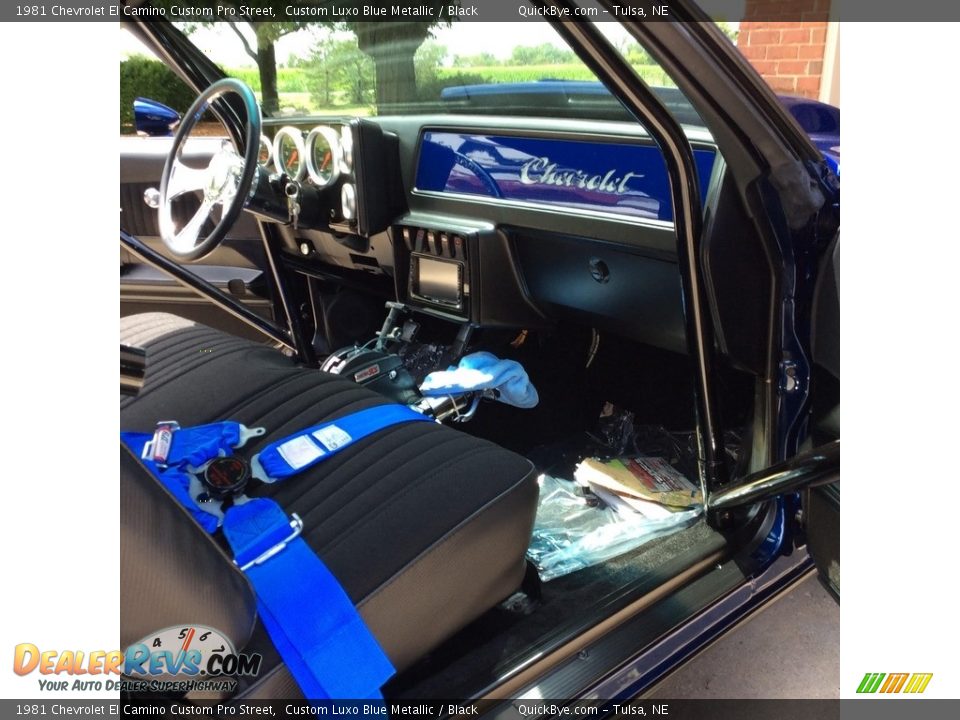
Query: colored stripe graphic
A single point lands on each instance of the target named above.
(895, 682)
(870, 682)
(918, 682)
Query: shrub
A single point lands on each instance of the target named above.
(142, 77)
(289, 79)
(428, 89)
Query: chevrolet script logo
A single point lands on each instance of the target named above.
(540, 171)
(894, 682)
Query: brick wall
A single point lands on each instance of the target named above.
(785, 41)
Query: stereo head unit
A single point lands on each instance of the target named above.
(439, 275)
(436, 281)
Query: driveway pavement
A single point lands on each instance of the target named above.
(790, 650)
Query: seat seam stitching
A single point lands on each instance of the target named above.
(363, 492)
(408, 489)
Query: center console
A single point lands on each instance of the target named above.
(394, 363)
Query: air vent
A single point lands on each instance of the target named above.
(438, 243)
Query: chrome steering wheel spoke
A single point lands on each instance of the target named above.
(186, 239)
(184, 178)
(224, 184)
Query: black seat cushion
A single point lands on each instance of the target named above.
(424, 526)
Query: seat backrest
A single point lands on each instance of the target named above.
(171, 570)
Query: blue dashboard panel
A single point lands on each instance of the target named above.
(612, 177)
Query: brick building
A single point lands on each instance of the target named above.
(794, 45)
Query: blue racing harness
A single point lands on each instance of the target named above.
(311, 620)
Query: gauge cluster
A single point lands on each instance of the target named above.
(346, 174)
(320, 154)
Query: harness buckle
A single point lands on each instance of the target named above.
(296, 527)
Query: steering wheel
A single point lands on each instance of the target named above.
(225, 182)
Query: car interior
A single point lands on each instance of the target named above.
(394, 246)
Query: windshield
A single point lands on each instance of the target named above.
(322, 67)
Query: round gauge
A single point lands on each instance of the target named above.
(289, 152)
(348, 201)
(323, 149)
(266, 152)
(346, 149)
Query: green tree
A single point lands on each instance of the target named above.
(261, 47)
(484, 59)
(543, 54)
(728, 30)
(320, 72)
(337, 68)
(393, 45)
(264, 53)
(428, 60)
(353, 71)
(636, 55)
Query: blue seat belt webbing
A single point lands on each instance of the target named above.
(295, 453)
(173, 478)
(311, 620)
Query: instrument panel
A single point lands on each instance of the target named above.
(333, 174)
(320, 154)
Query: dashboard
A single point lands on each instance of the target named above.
(493, 222)
(316, 167)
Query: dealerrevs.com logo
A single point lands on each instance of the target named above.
(909, 683)
(175, 659)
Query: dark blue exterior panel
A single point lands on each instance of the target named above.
(613, 177)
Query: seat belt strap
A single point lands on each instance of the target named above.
(311, 620)
(295, 453)
(174, 479)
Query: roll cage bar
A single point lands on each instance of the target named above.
(777, 169)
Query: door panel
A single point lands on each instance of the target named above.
(234, 267)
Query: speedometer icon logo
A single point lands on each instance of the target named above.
(180, 651)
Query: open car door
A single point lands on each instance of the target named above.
(235, 267)
(822, 504)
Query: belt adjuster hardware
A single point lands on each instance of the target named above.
(158, 447)
(296, 527)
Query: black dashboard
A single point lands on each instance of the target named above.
(494, 222)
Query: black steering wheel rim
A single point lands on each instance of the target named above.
(227, 180)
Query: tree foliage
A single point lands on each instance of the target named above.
(484, 59)
(728, 30)
(392, 45)
(543, 54)
(339, 73)
(257, 37)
